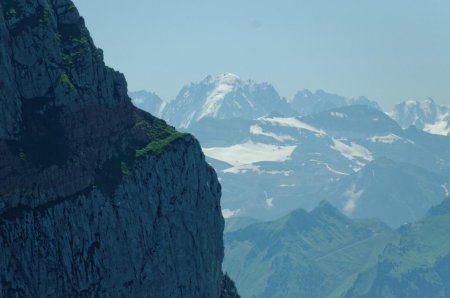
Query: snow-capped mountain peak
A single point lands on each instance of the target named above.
(223, 85)
(227, 78)
(223, 78)
(225, 96)
(425, 115)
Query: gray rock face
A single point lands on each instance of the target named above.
(10, 116)
(159, 235)
(48, 55)
(97, 198)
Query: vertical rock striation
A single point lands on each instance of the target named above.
(97, 198)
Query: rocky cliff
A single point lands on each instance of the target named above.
(97, 198)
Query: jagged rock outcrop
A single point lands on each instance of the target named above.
(97, 198)
(228, 288)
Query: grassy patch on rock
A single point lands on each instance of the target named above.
(160, 144)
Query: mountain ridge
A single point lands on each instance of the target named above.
(302, 253)
(335, 256)
(425, 115)
(226, 96)
(408, 190)
(267, 162)
(416, 265)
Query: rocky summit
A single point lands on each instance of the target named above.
(97, 198)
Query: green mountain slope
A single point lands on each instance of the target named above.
(418, 265)
(315, 254)
(237, 223)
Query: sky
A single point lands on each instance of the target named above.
(386, 50)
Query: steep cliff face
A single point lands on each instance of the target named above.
(97, 198)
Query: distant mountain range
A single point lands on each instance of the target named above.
(306, 102)
(273, 164)
(376, 184)
(325, 254)
(425, 115)
(227, 96)
(274, 155)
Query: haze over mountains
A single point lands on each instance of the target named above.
(275, 155)
(386, 177)
(101, 199)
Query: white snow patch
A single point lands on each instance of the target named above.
(137, 101)
(269, 201)
(214, 100)
(242, 169)
(250, 103)
(357, 169)
(243, 156)
(328, 167)
(339, 115)
(353, 197)
(257, 130)
(446, 190)
(352, 151)
(284, 173)
(188, 120)
(287, 185)
(411, 103)
(161, 108)
(292, 122)
(387, 139)
(333, 170)
(438, 128)
(224, 84)
(227, 213)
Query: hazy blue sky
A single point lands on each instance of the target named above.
(387, 50)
